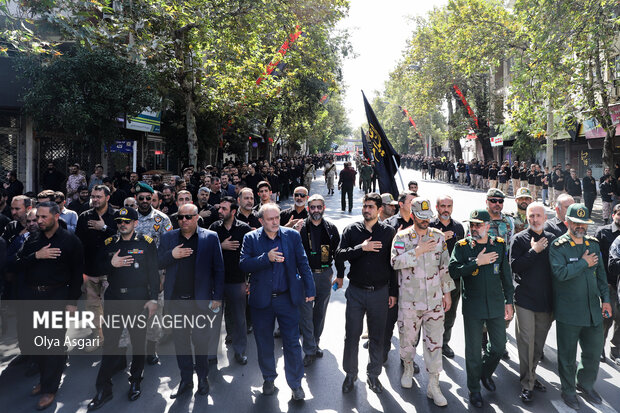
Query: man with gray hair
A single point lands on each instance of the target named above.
(556, 225)
(529, 261)
(320, 239)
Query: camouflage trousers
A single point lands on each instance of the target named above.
(410, 323)
(308, 182)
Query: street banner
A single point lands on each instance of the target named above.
(276, 63)
(387, 160)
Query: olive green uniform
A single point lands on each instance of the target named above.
(578, 291)
(486, 291)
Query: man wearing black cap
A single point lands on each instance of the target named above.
(130, 261)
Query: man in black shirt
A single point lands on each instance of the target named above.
(606, 235)
(82, 203)
(589, 189)
(346, 182)
(93, 227)
(372, 289)
(453, 231)
(529, 261)
(117, 196)
(246, 204)
(207, 212)
(53, 178)
(573, 186)
(293, 217)
(320, 239)
(168, 205)
(52, 264)
(230, 232)
(556, 225)
(130, 261)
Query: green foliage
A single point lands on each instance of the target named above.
(83, 93)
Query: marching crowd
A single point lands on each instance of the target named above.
(219, 236)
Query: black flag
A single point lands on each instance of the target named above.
(383, 153)
(367, 152)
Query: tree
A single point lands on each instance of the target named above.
(84, 92)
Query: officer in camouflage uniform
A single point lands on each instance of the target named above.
(153, 223)
(579, 287)
(523, 198)
(481, 261)
(420, 255)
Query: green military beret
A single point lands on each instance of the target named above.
(144, 187)
(578, 213)
(495, 193)
(478, 216)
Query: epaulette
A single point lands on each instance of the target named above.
(147, 238)
(499, 239)
(560, 241)
(108, 240)
(462, 242)
(591, 238)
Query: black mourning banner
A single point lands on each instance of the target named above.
(383, 153)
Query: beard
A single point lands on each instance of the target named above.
(316, 216)
(300, 203)
(537, 228)
(523, 206)
(445, 217)
(578, 232)
(478, 235)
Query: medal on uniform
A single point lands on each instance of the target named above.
(495, 268)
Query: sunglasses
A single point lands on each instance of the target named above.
(122, 221)
(130, 205)
(496, 201)
(187, 217)
(300, 195)
(144, 198)
(313, 207)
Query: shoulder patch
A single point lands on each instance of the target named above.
(147, 238)
(591, 238)
(462, 242)
(499, 239)
(559, 242)
(108, 240)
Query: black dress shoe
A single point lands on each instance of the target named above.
(416, 368)
(319, 353)
(475, 399)
(298, 394)
(203, 386)
(538, 386)
(374, 384)
(488, 383)
(269, 388)
(184, 386)
(277, 334)
(506, 356)
(526, 395)
(241, 359)
(571, 401)
(447, 351)
(100, 399)
(228, 340)
(365, 345)
(134, 391)
(590, 395)
(349, 382)
(152, 359)
(308, 360)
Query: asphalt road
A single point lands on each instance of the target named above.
(236, 388)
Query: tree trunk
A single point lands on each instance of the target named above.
(455, 143)
(190, 124)
(550, 133)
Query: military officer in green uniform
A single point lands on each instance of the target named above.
(579, 288)
(130, 260)
(481, 261)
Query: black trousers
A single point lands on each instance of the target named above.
(112, 353)
(346, 191)
(373, 304)
(588, 199)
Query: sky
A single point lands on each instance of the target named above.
(379, 30)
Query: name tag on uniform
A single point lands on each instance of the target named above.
(573, 259)
(399, 245)
(495, 268)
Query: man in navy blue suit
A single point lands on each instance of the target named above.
(194, 282)
(280, 280)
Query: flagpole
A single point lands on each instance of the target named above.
(402, 183)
